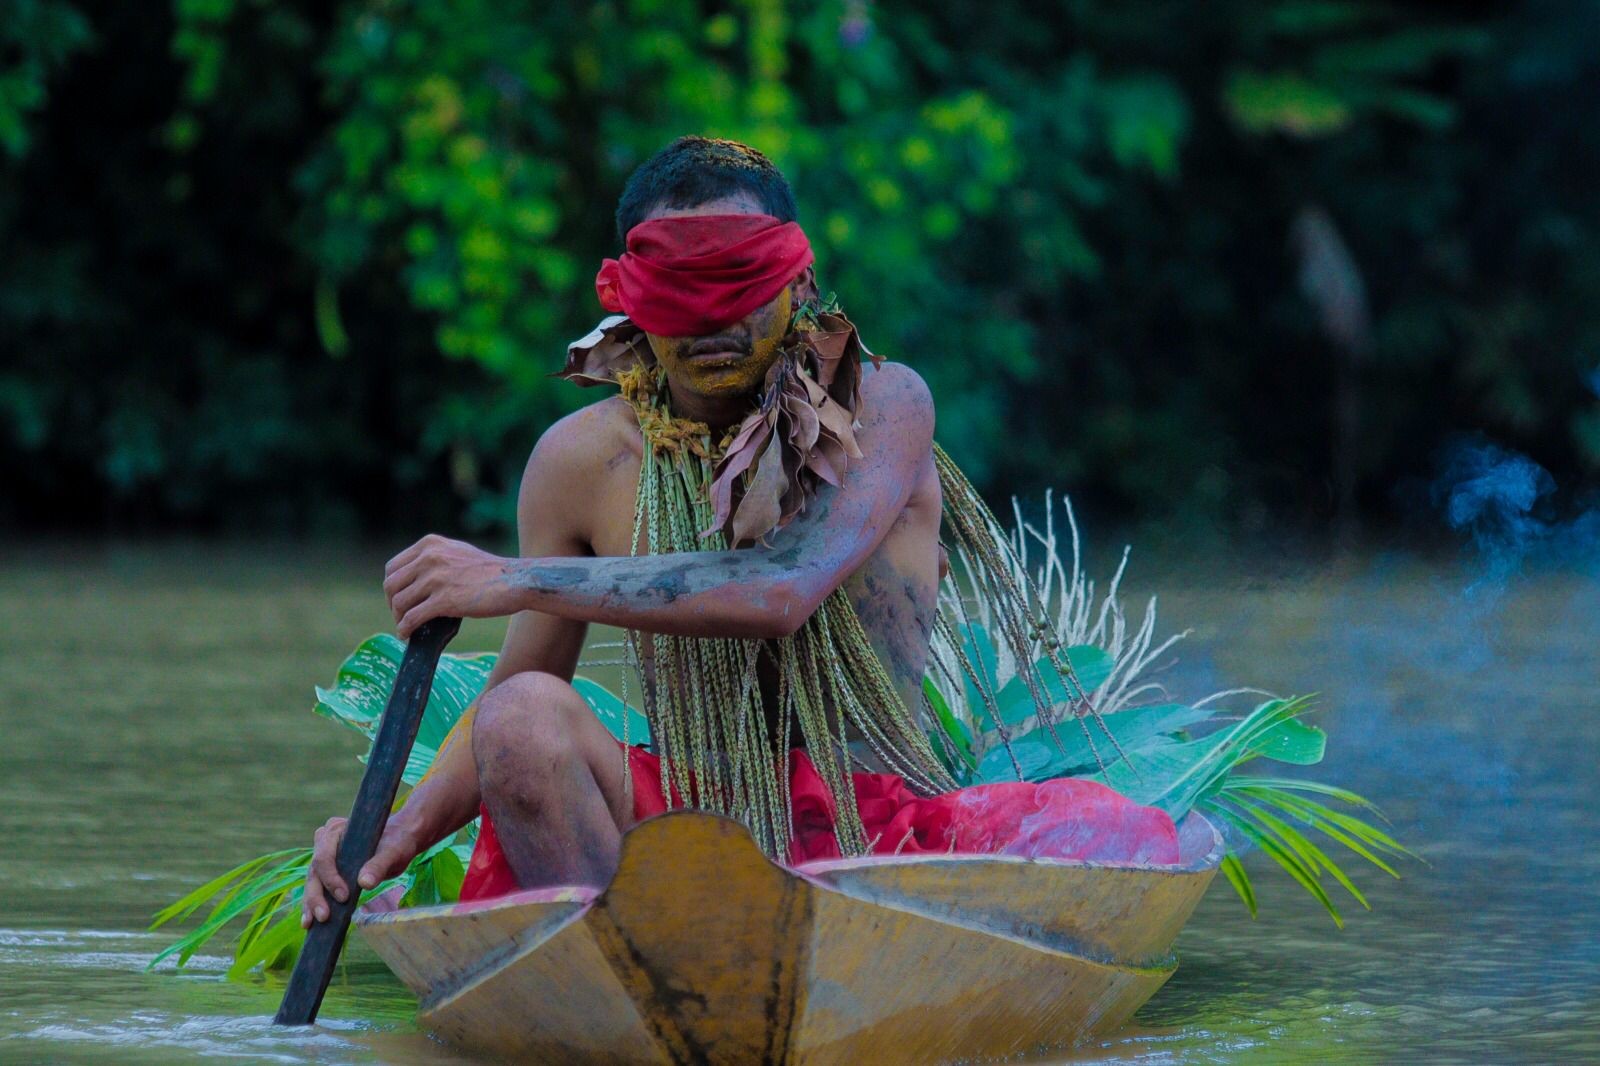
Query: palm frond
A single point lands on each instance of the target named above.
(1269, 813)
(1288, 859)
(187, 905)
(1234, 871)
(270, 905)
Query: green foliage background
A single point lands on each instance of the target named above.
(307, 266)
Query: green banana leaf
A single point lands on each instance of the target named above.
(612, 712)
(1090, 664)
(955, 750)
(361, 690)
(980, 654)
(1081, 744)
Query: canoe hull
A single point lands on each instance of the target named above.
(703, 949)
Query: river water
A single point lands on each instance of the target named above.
(155, 730)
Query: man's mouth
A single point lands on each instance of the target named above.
(717, 350)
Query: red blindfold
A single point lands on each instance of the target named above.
(695, 275)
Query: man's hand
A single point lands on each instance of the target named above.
(395, 850)
(441, 578)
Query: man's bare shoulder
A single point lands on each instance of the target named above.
(588, 439)
(896, 394)
(572, 465)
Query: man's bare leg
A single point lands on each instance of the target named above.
(551, 776)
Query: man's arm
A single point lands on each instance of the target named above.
(766, 591)
(549, 523)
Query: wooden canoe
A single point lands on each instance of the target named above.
(703, 950)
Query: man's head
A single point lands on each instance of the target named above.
(698, 176)
(693, 171)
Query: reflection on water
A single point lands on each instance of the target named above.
(155, 728)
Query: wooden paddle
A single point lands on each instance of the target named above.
(396, 733)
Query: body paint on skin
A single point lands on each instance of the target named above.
(738, 372)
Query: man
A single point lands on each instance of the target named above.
(759, 510)
(539, 761)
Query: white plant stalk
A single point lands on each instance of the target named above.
(1050, 561)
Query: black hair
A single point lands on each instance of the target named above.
(694, 170)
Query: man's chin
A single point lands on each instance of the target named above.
(723, 381)
(719, 374)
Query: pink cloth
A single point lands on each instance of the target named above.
(1061, 819)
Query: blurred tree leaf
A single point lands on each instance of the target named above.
(37, 37)
(1072, 223)
(1285, 102)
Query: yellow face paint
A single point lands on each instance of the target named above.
(748, 349)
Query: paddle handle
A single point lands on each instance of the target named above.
(387, 761)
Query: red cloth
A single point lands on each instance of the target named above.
(1061, 819)
(694, 275)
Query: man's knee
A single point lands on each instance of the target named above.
(523, 731)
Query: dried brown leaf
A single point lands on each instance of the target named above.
(615, 345)
(761, 507)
